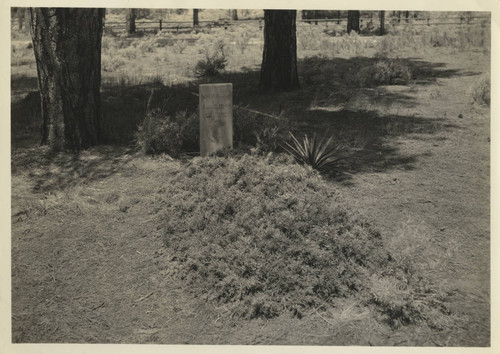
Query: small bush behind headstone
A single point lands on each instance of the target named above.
(213, 63)
(162, 133)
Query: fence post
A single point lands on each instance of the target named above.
(160, 25)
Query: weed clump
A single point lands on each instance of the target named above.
(215, 61)
(261, 237)
(171, 134)
(262, 133)
(480, 91)
(384, 71)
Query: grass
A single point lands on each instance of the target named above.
(118, 247)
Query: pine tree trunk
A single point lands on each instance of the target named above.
(67, 46)
(279, 60)
(382, 23)
(352, 21)
(196, 22)
(131, 16)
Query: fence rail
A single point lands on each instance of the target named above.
(160, 24)
(394, 21)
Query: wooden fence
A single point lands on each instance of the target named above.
(340, 22)
(182, 26)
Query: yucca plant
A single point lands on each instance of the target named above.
(321, 155)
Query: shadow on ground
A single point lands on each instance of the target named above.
(50, 171)
(326, 102)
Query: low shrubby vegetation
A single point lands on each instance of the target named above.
(480, 91)
(261, 133)
(384, 72)
(262, 237)
(215, 61)
(360, 71)
(167, 129)
(162, 133)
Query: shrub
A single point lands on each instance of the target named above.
(259, 131)
(264, 238)
(385, 47)
(243, 41)
(129, 53)
(214, 62)
(179, 46)
(111, 63)
(480, 91)
(147, 45)
(160, 133)
(384, 72)
(261, 237)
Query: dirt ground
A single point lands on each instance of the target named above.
(89, 265)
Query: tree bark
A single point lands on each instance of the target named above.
(279, 59)
(131, 16)
(234, 15)
(353, 21)
(196, 22)
(67, 46)
(382, 23)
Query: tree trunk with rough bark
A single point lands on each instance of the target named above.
(353, 21)
(382, 23)
(196, 22)
(279, 59)
(67, 46)
(131, 16)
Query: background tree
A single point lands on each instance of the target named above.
(382, 23)
(131, 16)
(18, 13)
(234, 15)
(279, 59)
(353, 21)
(196, 22)
(67, 46)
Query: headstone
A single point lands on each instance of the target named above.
(216, 117)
